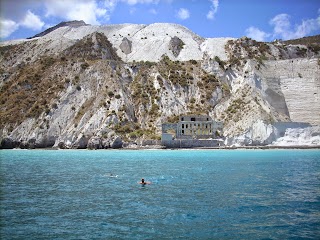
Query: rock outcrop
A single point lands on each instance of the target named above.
(176, 45)
(82, 86)
(126, 46)
(277, 134)
(72, 24)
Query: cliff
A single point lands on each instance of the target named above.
(79, 86)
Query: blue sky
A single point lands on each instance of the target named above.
(263, 20)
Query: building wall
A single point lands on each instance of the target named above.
(169, 126)
(191, 131)
(193, 118)
(195, 129)
(166, 137)
(148, 142)
(191, 143)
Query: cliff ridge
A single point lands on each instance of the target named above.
(82, 86)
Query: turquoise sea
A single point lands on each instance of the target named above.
(195, 194)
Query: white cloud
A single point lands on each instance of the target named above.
(281, 23)
(109, 5)
(256, 34)
(183, 14)
(132, 10)
(153, 11)
(17, 14)
(133, 2)
(282, 27)
(16, 9)
(7, 27)
(32, 21)
(86, 10)
(213, 10)
(101, 12)
(307, 27)
(210, 14)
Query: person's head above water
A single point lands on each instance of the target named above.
(143, 182)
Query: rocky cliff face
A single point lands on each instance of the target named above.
(80, 86)
(62, 24)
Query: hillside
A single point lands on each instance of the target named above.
(79, 86)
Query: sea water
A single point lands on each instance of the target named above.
(195, 194)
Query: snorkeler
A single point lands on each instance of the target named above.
(143, 182)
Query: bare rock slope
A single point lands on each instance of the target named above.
(79, 86)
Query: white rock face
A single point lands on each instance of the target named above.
(215, 47)
(298, 82)
(259, 134)
(248, 95)
(149, 42)
(300, 137)
(278, 134)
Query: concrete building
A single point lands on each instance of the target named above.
(192, 131)
(197, 127)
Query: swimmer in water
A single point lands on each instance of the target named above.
(143, 182)
(112, 175)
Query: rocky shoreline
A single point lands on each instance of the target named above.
(159, 147)
(78, 86)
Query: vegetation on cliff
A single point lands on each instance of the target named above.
(87, 91)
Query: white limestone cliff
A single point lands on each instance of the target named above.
(258, 97)
(149, 42)
(282, 135)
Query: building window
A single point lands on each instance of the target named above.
(182, 125)
(182, 119)
(182, 132)
(193, 119)
(186, 125)
(207, 119)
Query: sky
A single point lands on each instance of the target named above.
(262, 20)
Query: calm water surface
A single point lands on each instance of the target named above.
(195, 194)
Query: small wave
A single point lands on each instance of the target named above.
(111, 175)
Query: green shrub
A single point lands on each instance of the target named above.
(314, 47)
(110, 94)
(154, 109)
(218, 60)
(149, 64)
(47, 62)
(76, 79)
(84, 65)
